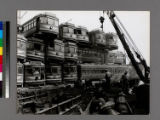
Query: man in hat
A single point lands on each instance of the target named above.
(124, 82)
(108, 79)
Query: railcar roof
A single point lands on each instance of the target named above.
(97, 31)
(101, 66)
(33, 63)
(68, 25)
(41, 15)
(82, 27)
(58, 41)
(33, 39)
(21, 36)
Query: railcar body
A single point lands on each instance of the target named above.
(20, 74)
(82, 34)
(116, 57)
(55, 49)
(21, 46)
(121, 58)
(97, 72)
(87, 55)
(43, 23)
(70, 73)
(35, 48)
(97, 37)
(53, 74)
(67, 31)
(34, 73)
(111, 41)
(70, 51)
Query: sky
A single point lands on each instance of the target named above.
(137, 23)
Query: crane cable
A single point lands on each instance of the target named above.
(131, 40)
(124, 35)
(130, 45)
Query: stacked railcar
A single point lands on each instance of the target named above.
(35, 49)
(111, 41)
(97, 72)
(21, 46)
(42, 24)
(82, 34)
(67, 32)
(20, 74)
(34, 73)
(21, 55)
(116, 57)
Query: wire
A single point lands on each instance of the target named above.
(132, 42)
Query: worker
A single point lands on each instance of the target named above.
(124, 83)
(108, 79)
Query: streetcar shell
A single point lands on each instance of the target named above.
(45, 23)
(97, 37)
(20, 73)
(97, 72)
(67, 32)
(57, 50)
(70, 73)
(53, 74)
(21, 46)
(82, 34)
(111, 41)
(70, 51)
(34, 73)
(35, 48)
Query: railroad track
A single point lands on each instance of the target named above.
(62, 107)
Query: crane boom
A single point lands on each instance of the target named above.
(112, 15)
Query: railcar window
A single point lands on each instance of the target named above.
(73, 69)
(34, 22)
(62, 48)
(29, 26)
(43, 19)
(98, 36)
(57, 47)
(29, 71)
(84, 32)
(65, 29)
(66, 70)
(56, 23)
(79, 32)
(54, 70)
(48, 70)
(51, 21)
(37, 70)
(24, 27)
(73, 49)
(71, 30)
(20, 70)
(30, 46)
(22, 45)
(37, 46)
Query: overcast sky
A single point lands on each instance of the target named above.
(137, 23)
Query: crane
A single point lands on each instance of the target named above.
(118, 27)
